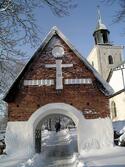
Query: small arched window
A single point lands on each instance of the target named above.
(113, 110)
(110, 59)
(92, 63)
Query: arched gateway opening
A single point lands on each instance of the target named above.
(55, 136)
(59, 110)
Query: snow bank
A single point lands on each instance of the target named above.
(96, 134)
(36, 161)
(17, 139)
(119, 125)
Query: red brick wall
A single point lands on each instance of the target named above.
(27, 99)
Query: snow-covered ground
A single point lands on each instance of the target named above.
(57, 149)
(113, 157)
(110, 157)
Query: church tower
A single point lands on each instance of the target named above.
(104, 56)
(101, 34)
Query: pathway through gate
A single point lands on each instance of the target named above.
(56, 140)
(58, 149)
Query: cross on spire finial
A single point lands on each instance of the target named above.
(99, 15)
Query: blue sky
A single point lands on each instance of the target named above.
(80, 25)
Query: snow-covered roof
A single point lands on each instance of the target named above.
(121, 65)
(118, 67)
(106, 89)
(101, 26)
(117, 93)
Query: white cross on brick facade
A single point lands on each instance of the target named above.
(59, 77)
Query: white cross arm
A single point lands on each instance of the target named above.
(55, 65)
(50, 65)
(67, 65)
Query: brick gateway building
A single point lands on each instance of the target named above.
(57, 77)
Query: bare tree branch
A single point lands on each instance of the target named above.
(18, 27)
(119, 15)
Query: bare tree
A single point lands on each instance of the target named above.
(119, 15)
(18, 27)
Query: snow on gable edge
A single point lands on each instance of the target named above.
(54, 30)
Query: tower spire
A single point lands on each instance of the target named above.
(99, 15)
(101, 34)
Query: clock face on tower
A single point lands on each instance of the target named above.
(58, 51)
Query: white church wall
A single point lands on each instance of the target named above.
(116, 81)
(92, 134)
(105, 51)
(93, 59)
(99, 55)
(120, 106)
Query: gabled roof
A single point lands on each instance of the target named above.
(118, 67)
(117, 93)
(107, 90)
